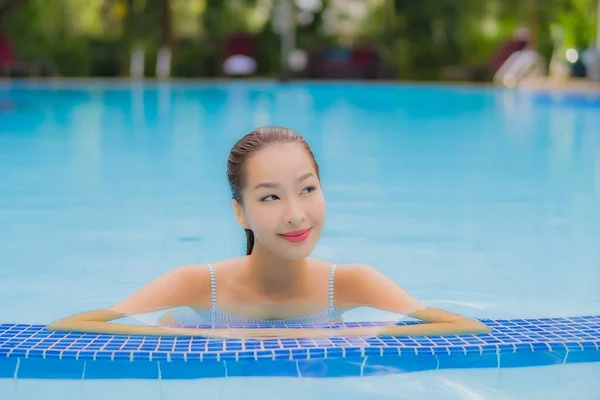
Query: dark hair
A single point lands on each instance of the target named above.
(243, 148)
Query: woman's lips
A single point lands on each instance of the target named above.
(296, 236)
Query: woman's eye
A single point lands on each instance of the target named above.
(309, 189)
(270, 197)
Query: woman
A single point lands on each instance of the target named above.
(277, 198)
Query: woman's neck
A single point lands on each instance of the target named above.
(272, 275)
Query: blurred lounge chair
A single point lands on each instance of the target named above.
(520, 40)
(361, 62)
(239, 57)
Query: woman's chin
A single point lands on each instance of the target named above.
(297, 253)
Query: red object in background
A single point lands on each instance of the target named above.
(240, 44)
(364, 55)
(506, 50)
(7, 55)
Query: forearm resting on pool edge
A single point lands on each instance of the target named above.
(461, 327)
(99, 322)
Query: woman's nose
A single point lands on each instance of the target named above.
(294, 213)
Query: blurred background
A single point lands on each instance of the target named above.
(466, 40)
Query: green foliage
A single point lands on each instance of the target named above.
(104, 57)
(577, 21)
(421, 40)
(268, 52)
(96, 37)
(36, 36)
(188, 59)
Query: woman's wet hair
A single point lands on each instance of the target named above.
(244, 148)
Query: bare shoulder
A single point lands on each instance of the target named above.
(201, 271)
(350, 280)
(197, 276)
(185, 285)
(351, 273)
(359, 284)
(191, 274)
(193, 282)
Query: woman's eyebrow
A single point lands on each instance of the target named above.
(273, 185)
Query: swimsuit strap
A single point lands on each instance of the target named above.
(331, 285)
(213, 287)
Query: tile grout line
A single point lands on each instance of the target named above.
(362, 367)
(17, 368)
(498, 357)
(84, 368)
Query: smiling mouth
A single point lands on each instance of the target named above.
(295, 233)
(296, 236)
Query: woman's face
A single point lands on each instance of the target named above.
(282, 200)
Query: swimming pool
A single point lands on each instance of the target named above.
(480, 201)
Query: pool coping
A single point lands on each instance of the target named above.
(32, 352)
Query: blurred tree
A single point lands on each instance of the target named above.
(577, 20)
(419, 40)
(165, 23)
(7, 6)
(96, 37)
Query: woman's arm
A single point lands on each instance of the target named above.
(363, 286)
(182, 286)
(356, 286)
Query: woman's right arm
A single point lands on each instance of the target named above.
(180, 287)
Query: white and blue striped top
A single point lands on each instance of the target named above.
(217, 316)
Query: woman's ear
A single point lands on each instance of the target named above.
(239, 213)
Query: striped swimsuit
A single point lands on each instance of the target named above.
(217, 316)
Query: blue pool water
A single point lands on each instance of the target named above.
(479, 201)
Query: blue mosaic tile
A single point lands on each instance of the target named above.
(583, 357)
(106, 369)
(262, 368)
(211, 356)
(378, 365)
(50, 369)
(287, 354)
(387, 351)
(531, 359)
(180, 369)
(450, 361)
(515, 343)
(228, 356)
(330, 368)
(7, 367)
(265, 354)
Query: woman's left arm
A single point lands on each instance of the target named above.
(360, 285)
